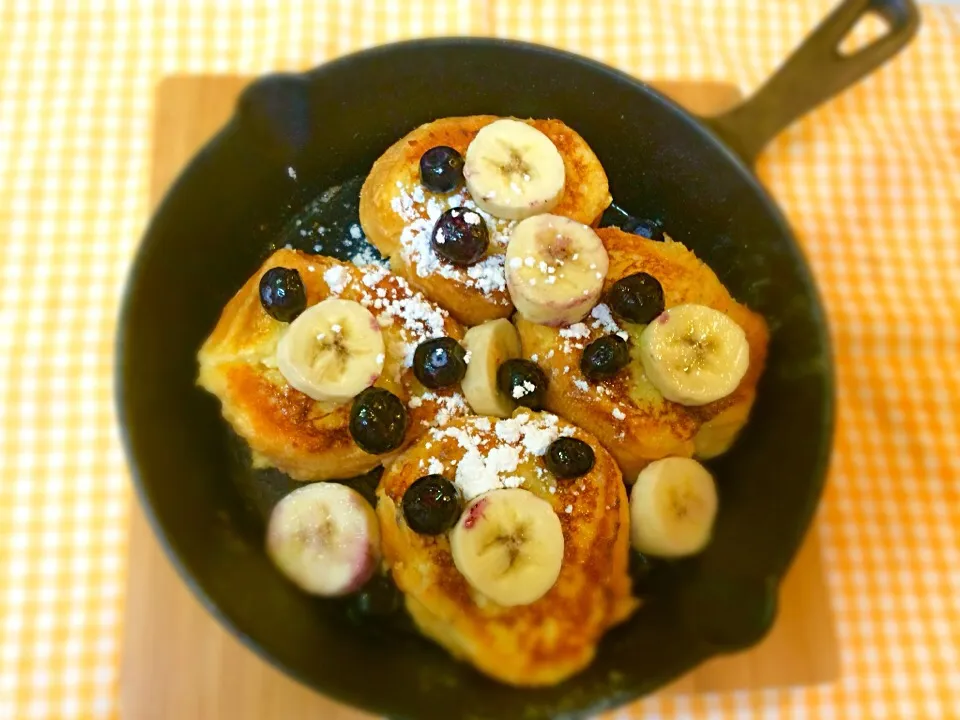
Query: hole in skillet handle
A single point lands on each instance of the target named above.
(816, 71)
(870, 28)
(275, 111)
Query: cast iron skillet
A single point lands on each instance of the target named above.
(232, 203)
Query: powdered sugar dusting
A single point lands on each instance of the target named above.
(574, 337)
(420, 213)
(525, 389)
(478, 473)
(367, 256)
(337, 278)
(537, 440)
(393, 302)
(490, 460)
(449, 406)
(603, 320)
(577, 330)
(535, 436)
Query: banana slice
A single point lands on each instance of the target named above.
(325, 538)
(332, 351)
(513, 170)
(694, 354)
(673, 505)
(555, 269)
(489, 346)
(508, 544)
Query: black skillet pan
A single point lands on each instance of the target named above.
(236, 201)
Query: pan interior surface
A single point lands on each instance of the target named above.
(229, 208)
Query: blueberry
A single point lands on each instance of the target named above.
(439, 362)
(568, 457)
(441, 169)
(378, 421)
(379, 598)
(431, 505)
(460, 236)
(282, 294)
(524, 382)
(605, 357)
(637, 298)
(650, 229)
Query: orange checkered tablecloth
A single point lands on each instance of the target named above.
(871, 182)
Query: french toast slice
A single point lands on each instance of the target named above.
(286, 429)
(548, 640)
(396, 211)
(626, 412)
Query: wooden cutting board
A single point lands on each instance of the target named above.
(178, 662)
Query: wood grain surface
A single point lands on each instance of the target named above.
(178, 662)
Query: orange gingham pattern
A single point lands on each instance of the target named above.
(871, 182)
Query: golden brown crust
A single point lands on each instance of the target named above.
(652, 427)
(552, 638)
(467, 304)
(285, 428)
(585, 196)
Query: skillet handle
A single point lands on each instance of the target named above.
(815, 72)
